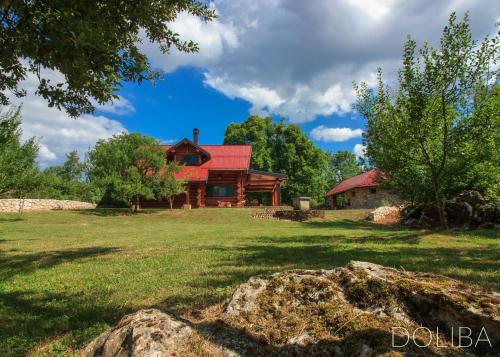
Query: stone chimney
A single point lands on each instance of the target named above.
(195, 136)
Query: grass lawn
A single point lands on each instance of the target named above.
(66, 276)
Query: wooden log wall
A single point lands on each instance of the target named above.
(235, 178)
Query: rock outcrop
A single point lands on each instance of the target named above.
(351, 311)
(385, 215)
(468, 210)
(362, 309)
(152, 333)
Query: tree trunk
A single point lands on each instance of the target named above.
(136, 204)
(439, 203)
(171, 201)
(21, 205)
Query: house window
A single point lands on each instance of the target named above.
(353, 194)
(373, 190)
(190, 159)
(220, 190)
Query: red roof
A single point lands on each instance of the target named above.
(192, 173)
(366, 179)
(222, 157)
(228, 157)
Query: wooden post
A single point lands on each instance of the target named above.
(203, 189)
(278, 194)
(198, 196)
(274, 196)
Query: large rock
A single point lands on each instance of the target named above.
(473, 198)
(351, 311)
(467, 210)
(385, 215)
(362, 309)
(151, 333)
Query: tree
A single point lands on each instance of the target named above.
(414, 131)
(17, 160)
(124, 166)
(67, 182)
(476, 163)
(166, 186)
(284, 148)
(259, 132)
(73, 169)
(94, 44)
(342, 165)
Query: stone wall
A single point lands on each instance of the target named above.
(12, 205)
(370, 198)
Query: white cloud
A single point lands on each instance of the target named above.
(335, 134)
(56, 132)
(45, 154)
(359, 150)
(213, 39)
(120, 106)
(298, 58)
(263, 99)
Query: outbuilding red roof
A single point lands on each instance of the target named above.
(366, 179)
(223, 157)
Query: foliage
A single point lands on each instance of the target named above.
(258, 132)
(18, 168)
(414, 133)
(283, 148)
(67, 182)
(66, 276)
(124, 166)
(95, 45)
(476, 163)
(342, 165)
(166, 186)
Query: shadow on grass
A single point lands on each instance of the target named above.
(29, 317)
(12, 219)
(352, 224)
(113, 212)
(267, 255)
(104, 212)
(11, 265)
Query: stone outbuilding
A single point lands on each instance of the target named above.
(361, 191)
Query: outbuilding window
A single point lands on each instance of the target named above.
(373, 190)
(220, 190)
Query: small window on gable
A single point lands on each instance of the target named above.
(373, 190)
(190, 160)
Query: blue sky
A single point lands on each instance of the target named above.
(171, 108)
(293, 59)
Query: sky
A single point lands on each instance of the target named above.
(290, 59)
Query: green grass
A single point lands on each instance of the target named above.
(67, 276)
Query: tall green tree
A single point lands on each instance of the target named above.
(18, 168)
(415, 129)
(342, 165)
(284, 148)
(260, 133)
(124, 167)
(95, 44)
